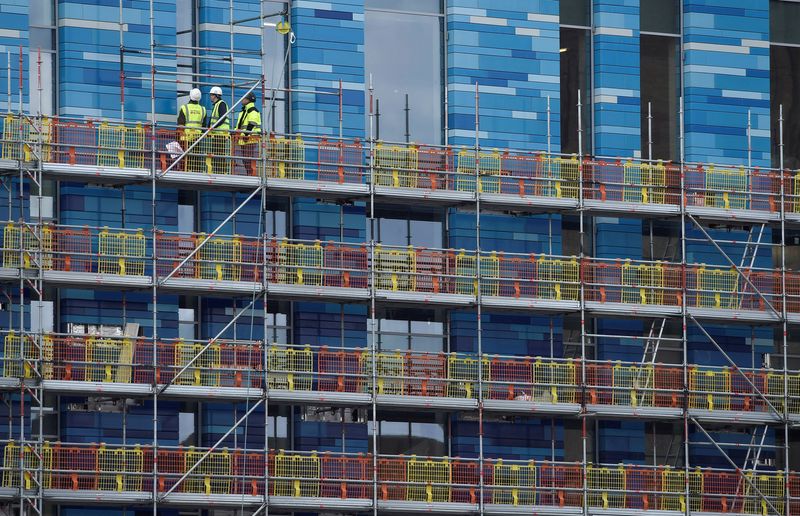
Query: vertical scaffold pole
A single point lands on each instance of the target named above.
(373, 348)
(581, 254)
(684, 338)
(479, 296)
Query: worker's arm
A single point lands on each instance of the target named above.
(182, 116)
(256, 123)
(223, 109)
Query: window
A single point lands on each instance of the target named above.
(661, 16)
(575, 12)
(42, 44)
(403, 52)
(660, 91)
(575, 73)
(659, 78)
(395, 229)
(186, 36)
(416, 335)
(276, 74)
(783, 18)
(784, 69)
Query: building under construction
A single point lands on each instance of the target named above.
(483, 257)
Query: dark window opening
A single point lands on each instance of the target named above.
(660, 16)
(784, 66)
(575, 76)
(659, 83)
(574, 12)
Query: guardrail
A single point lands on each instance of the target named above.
(128, 252)
(247, 364)
(109, 468)
(402, 166)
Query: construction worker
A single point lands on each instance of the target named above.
(249, 136)
(191, 120)
(220, 133)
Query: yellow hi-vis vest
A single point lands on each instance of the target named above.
(225, 125)
(249, 122)
(194, 114)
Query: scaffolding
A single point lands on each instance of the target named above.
(38, 253)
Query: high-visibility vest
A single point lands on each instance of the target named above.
(194, 114)
(223, 126)
(249, 115)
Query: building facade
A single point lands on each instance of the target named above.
(482, 257)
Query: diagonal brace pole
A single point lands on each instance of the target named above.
(210, 235)
(735, 366)
(738, 470)
(211, 450)
(735, 267)
(207, 131)
(208, 344)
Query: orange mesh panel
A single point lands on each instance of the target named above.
(510, 379)
(426, 374)
(340, 371)
(340, 162)
(346, 477)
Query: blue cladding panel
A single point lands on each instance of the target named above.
(726, 74)
(330, 48)
(511, 51)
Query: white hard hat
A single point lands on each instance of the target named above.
(195, 95)
(216, 90)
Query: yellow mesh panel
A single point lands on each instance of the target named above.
(390, 371)
(717, 288)
(775, 389)
(204, 371)
(395, 269)
(490, 169)
(286, 157)
(13, 364)
(121, 253)
(462, 373)
(467, 283)
(771, 485)
(633, 385)
(220, 259)
(12, 234)
(212, 476)
(710, 383)
(558, 279)
(429, 480)
(606, 487)
(290, 368)
(218, 160)
(636, 278)
(30, 463)
(301, 264)
(21, 140)
(644, 183)
(298, 475)
(726, 188)
(110, 145)
(119, 469)
(396, 165)
(554, 382)
(521, 482)
(674, 481)
(109, 360)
